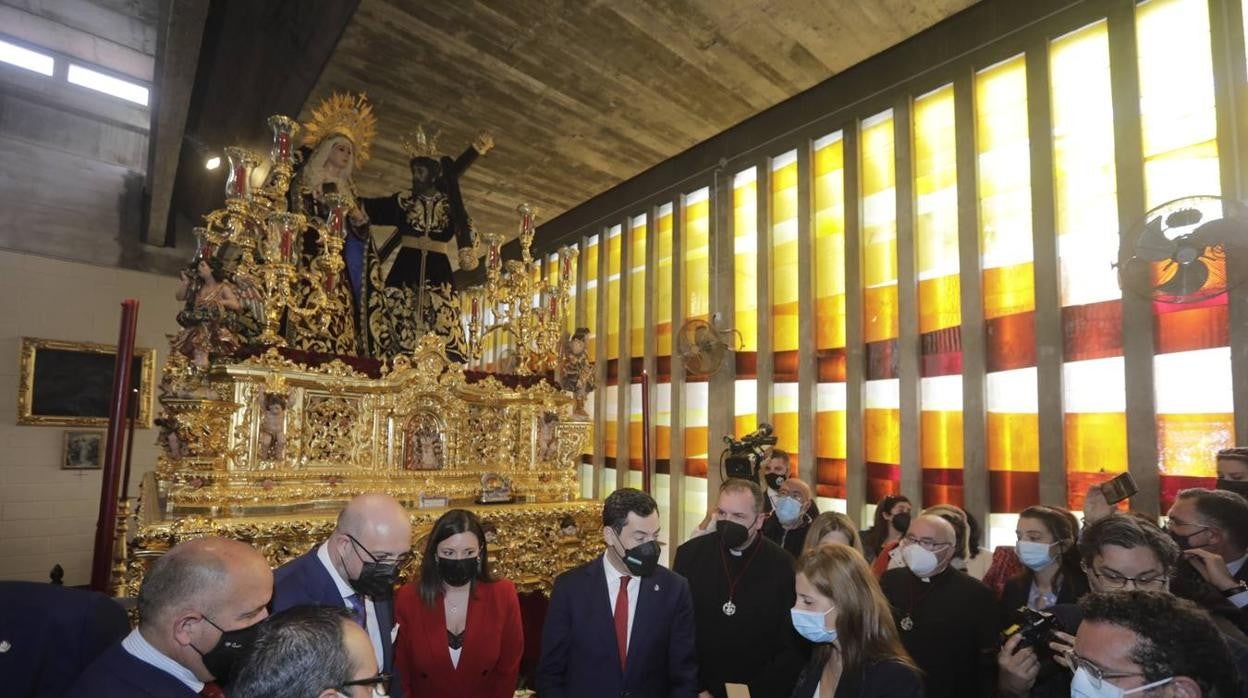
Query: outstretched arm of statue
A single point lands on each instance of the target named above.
(382, 210)
(482, 144)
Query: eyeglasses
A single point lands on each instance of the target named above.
(928, 544)
(1118, 582)
(1095, 672)
(400, 561)
(380, 684)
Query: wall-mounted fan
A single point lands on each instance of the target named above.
(1179, 253)
(702, 347)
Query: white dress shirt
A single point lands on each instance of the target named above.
(344, 588)
(613, 589)
(142, 650)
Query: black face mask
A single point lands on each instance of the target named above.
(1184, 542)
(732, 533)
(457, 573)
(774, 480)
(641, 560)
(225, 657)
(376, 579)
(1239, 487)
(901, 521)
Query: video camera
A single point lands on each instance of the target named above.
(742, 458)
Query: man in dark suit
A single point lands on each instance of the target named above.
(620, 625)
(50, 633)
(198, 608)
(355, 568)
(1211, 528)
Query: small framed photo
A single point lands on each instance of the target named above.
(84, 450)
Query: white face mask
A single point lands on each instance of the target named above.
(1084, 686)
(921, 561)
(1036, 556)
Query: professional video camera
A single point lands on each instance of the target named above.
(742, 458)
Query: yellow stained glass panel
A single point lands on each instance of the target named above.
(745, 256)
(829, 204)
(879, 228)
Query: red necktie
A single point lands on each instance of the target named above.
(621, 619)
(212, 690)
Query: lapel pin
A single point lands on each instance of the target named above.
(656, 587)
(5, 646)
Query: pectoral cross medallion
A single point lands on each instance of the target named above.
(729, 608)
(907, 623)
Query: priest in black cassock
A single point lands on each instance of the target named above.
(742, 588)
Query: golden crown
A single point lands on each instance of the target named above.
(419, 144)
(344, 114)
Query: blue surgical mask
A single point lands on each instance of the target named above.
(1036, 556)
(788, 509)
(809, 624)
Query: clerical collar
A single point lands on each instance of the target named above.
(738, 553)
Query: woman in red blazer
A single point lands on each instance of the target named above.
(459, 628)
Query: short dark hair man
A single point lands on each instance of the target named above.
(1211, 526)
(1140, 640)
(645, 647)
(198, 608)
(742, 587)
(309, 652)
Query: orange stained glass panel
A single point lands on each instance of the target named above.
(940, 302)
(879, 223)
(591, 294)
(1013, 442)
(784, 262)
(1096, 450)
(697, 255)
(829, 223)
(1009, 290)
(573, 298)
(663, 284)
(941, 445)
(830, 426)
(745, 257)
(637, 289)
(1187, 442)
(615, 241)
(883, 435)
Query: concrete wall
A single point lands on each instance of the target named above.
(47, 515)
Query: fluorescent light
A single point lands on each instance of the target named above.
(92, 80)
(213, 162)
(25, 58)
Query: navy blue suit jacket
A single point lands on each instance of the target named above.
(579, 653)
(52, 633)
(118, 674)
(304, 581)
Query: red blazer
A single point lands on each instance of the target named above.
(493, 643)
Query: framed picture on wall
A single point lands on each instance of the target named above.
(84, 450)
(68, 383)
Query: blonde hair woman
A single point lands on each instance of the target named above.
(832, 527)
(841, 609)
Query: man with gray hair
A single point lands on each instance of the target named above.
(355, 569)
(309, 652)
(198, 609)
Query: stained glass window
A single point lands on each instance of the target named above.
(591, 294)
(745, 269)
(663, 294)
(637, 294)
(695, 275)
(784, 300)
(829, 206)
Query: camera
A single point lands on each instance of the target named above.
(1037, 629)
(742, 457)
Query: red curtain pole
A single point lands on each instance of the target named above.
(646, 461)
(119, 400)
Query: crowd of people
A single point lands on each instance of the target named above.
(769, 598)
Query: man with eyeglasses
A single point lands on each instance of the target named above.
(1149, 643)
(311, 652)
(1211, 528)
(356, 568)
(1120, 552)
(947, 619)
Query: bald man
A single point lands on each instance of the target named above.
(198, 609)
(790, 516)
(947, 619)
(355, 568)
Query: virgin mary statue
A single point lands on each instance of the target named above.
(346, 315)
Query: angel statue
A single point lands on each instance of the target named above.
(576, 371)
(218, 318)
(434, 237)
(337, 140)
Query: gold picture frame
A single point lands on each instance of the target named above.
(87, 371)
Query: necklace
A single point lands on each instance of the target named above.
(729, 608)
(907, 621)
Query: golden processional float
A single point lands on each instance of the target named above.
(264, 443)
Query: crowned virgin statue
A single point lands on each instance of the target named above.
(434, 237)
(349, 315)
